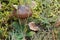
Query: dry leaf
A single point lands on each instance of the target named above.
(33, 26)
(57, 24)
(15, 6)
(33, 4)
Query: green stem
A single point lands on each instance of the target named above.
(21, 2)
(24, 22)
(21, 28)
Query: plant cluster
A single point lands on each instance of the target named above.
(45, 14)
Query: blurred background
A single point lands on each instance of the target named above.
(45, 15)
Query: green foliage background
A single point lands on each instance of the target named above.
(45, 13)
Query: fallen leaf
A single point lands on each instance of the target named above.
(33, 26)
(57, 24)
